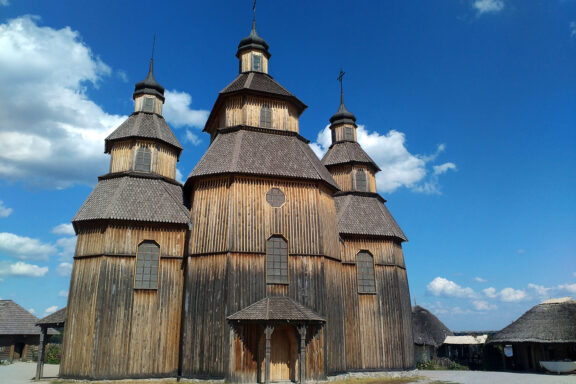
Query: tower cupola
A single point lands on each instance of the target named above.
(148, 94)
(343, 122)
(253, 52)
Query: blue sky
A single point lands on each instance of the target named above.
(468, 106)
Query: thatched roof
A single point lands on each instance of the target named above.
(427, 329)
(15, 320)
(553, 321)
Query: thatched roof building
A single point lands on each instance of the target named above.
(429, 333)
(546, 332)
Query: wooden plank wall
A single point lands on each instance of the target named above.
(339, 130)
(246, 111)
(302, 220)
(164, 158)
(378, 326)
(114, 331)
(345, 176)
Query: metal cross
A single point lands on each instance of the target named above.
(340, 77)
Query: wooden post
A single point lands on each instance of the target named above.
(41, 348)
(268, 333)
(302, 355)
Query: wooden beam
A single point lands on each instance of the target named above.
(302, 353)
(41, 348)
(268, 333)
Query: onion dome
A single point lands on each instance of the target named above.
(253, 41)
(149, 86)
(343, 116)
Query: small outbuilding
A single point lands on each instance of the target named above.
(429, 334)
(55, 320)
(19, 335)
(547, 332)
(464, 349)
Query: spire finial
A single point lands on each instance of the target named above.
(153, 46)
(340, 78)
(254, 15)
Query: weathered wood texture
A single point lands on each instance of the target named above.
(114, 331)
(231, 214)
(339, 131)
(138, 104)
(345, 176)
(226, 283)
(118, 239)
(246, 61)
(246, 111)
(378, 326)
(163, 157)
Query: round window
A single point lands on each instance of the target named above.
(275, 197)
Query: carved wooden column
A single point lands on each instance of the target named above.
(268, 333)
(41, 348)
(302, 353)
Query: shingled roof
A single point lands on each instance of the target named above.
(553, 321)
(135, 198)
(427, 329)
(276, 308)
(346, 152)
(145, 126)
(261, 153)
(15, 320)
(365, 214)
(256, 81)
(57, 319)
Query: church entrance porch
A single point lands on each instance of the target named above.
(271, 337)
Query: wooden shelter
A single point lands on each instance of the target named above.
(546, 332)
(267, 265)
(429, 334)
(54, 320)
(19, 335)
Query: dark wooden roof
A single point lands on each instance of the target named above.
(15, 320)
(276, 308)
(427, 329)
(135, 198)
(143, 125)
(365, 214)
(57, 319)
(261, 153)
(256, 81)
(347, 152)
(553, 321)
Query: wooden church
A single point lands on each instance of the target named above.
(267, 265)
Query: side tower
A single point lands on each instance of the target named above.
(375, 284)
(263, 290)
(124, 306)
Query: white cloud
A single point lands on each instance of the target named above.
(488, 6)
(180, 176)
(480, 280)
(443, 287)
(32, 310)
(568, 288)
(4, 210)
(490, 292)
(400, 168)
(64, 269)
(192, 138)
(65, 229)
(22, 269)
(51, 309)
(25, 248)
(539, 290)
(63, 293)
(573, 29)
(177, 111)
(51, 133)
(67, 247)
(4, 3)
(481, 305)
(512, 295)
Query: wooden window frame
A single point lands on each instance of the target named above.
(276, 258)
(141, 151)
(265, 116)
(257, 59)
(365, 271)
(153, 102)
(348, 134)
(273, 197)
(359, 174)
(149, 265)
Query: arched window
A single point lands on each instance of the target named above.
(361, 180)
(265, 117)
(147, 263)
(277, 261)
(365, 267)
(348, 133)
(143, 159)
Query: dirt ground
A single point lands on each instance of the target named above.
(23, 373)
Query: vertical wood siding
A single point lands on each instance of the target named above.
(163, 157)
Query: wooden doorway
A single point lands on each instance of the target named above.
(283, 354)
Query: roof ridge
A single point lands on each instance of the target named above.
(178, 203)
(300, 144)
(236, 150)
(249, 79)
